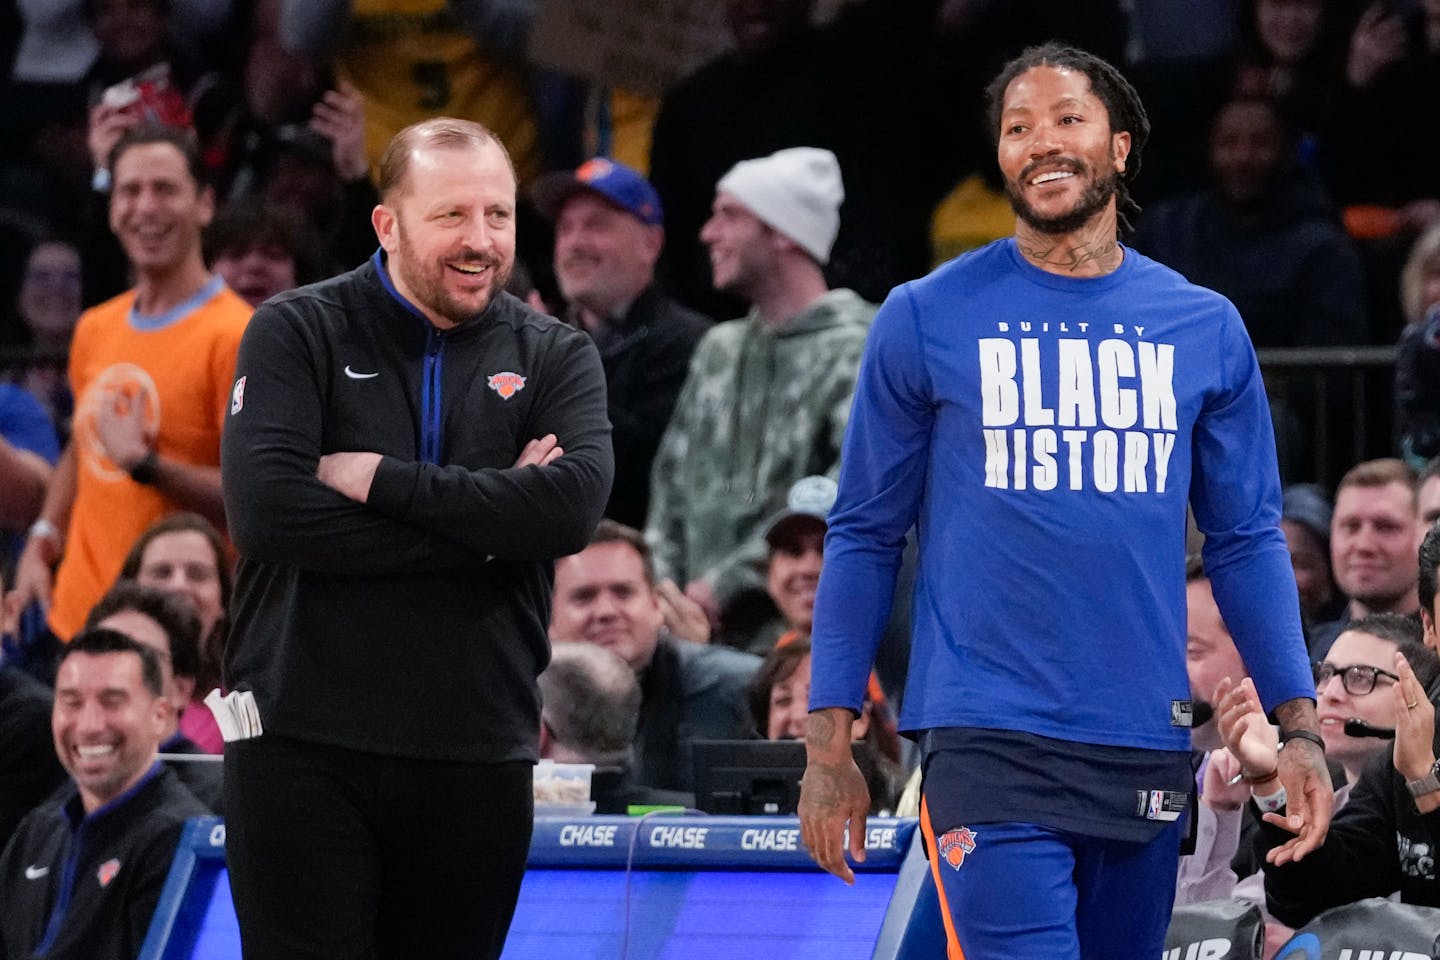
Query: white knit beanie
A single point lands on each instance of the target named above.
(796, 191)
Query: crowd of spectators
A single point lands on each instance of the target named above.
(727, 272)
(1382, 542)
(1277, 172)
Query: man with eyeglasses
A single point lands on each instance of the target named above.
(1353, 682)
(1384, 838)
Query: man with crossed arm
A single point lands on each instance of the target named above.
(407, 449)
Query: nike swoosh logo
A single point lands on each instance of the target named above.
(35, 873)
(359, 376)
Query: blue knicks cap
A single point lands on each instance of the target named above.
(617, 183)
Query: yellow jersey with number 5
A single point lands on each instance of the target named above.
(413, 59)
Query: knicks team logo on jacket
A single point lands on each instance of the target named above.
(108, 871)
(116, 394)
(1076, 413)
(955, 844)
(507, 384)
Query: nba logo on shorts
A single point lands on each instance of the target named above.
(237, 397)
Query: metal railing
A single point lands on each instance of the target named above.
(1342, 400)
(1334, 405)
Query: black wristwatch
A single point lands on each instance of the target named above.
(1310, 735)
(1426, 784)
(144, 471)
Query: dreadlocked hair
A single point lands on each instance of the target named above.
(1122, 103)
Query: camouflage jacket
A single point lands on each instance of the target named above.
(760, 409)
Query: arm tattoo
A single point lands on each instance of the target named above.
(820, 729)
(1298, 713)
(822, 787)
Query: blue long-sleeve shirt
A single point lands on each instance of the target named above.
(1046, 432)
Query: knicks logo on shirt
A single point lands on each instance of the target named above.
(108, 871)
(507, 384)
(122, 399)
(955, 844)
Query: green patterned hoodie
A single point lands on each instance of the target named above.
(760, 409)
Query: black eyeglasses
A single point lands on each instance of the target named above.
(1358, 678)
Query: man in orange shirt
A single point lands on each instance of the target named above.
(151, 371)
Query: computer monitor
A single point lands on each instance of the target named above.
(751, 777)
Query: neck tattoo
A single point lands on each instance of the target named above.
(1072, 258)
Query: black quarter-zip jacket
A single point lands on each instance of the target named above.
(77, 886)
(414, 624)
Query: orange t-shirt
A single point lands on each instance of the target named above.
(181, 368)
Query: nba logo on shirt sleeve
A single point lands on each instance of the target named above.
(237, 397)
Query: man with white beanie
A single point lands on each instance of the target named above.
(767, 396)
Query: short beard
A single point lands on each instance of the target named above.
(459, 314)
(1091, 202)
(434, 297)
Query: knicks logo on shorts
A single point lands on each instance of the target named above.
(507, 384)
(955, 844)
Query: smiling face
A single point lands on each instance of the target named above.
(789, 707)
(106, 724)
(157, 210)
(50, 291)
(604, 256)
(794, 574)
(1060, 161)
(742, 248)
(602, 597)
(184, 562)
(1374, 536)
(449, 230)
(790, 704)
(1335, 704)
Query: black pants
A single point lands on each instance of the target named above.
(344, 855)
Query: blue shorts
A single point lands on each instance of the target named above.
(1020, 891)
